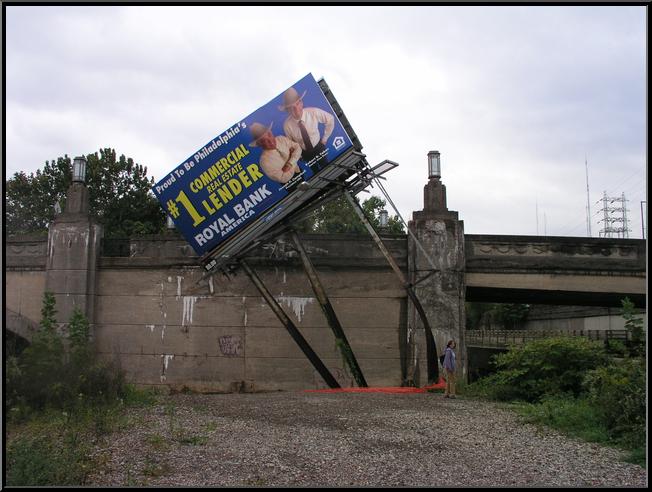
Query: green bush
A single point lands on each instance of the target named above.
(572, 384)
(636, 328)
(46, 374)
(543, 367)
(616, 348)
(619, 390)
(59, 396)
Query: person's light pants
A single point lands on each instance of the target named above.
(450, 383)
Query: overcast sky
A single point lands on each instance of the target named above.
(514, 98)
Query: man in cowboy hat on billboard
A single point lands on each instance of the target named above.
(302, 126)
(279, 157)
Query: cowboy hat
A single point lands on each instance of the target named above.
(290, 96)
(258, 130)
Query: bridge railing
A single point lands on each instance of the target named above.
(504, 338)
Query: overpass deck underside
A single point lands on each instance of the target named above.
(555, 270)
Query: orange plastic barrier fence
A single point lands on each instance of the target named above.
(441, 384)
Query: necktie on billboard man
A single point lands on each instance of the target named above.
(228, 184)
(305, 137)
(309, 126)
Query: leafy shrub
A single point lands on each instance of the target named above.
(61, 396)
(619, 390)
(544, 367)
(45, 374)
(616, 348)
(635, 326)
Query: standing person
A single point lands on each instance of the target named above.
(450, 366)
(302, 126)
(279, 157)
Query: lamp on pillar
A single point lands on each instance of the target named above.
(434, 193)
(77, 195)
(434, 164)
(79, 170)
(384, 220)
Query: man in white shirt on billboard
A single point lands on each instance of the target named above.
(302, 126)
(279, 157)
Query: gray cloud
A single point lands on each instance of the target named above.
(513, 97)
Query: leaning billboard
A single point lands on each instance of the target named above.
(224, 185)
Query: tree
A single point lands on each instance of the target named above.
(30, 199)
(499, 315)
(120, 196)
(635, 326)
(339, 217)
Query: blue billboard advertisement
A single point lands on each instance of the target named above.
(227, 183)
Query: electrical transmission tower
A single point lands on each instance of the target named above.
(614, 223)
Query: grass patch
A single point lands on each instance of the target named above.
(52, 447)
(638, 456)
(44, 460)
(211, 427)
(155, 470)
(579, 418)
(574, 417)
(136, 397)
(157, 442)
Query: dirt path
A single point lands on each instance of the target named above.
(314, 439)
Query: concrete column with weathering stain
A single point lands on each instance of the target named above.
(438, 278)
(72, 256)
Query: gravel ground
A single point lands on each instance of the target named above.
(348, 439)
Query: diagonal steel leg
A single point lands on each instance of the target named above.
(431, 348)
(291, 328)
(329, 312)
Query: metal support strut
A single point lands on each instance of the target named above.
(431, 348)
(291, 328)
(329, 312)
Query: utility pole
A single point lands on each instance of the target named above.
(643, 219)
(588, 203)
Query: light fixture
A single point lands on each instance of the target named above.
(434, 164)
(384, 219)
(169, 223)
(79, 170)
(303, 186)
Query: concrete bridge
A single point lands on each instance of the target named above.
(554, 270)
(150, 312)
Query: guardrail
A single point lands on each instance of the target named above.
(505, 338)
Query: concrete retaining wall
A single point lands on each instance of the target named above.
(163, 325)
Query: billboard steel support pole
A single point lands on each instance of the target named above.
(329, 312)
(431, 348)
(291, 328)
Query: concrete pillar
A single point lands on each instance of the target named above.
(439, 284)
(72, 256)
